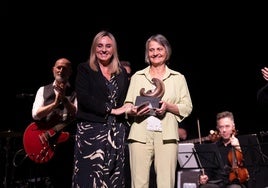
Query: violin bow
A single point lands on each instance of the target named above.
(200, 141)
(199, 132)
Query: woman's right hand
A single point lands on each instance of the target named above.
(265, 73)
(203, 179)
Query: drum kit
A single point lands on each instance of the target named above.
(7, 136)
(15, 171)
(10, 134)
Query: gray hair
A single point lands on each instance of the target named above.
(162, 40)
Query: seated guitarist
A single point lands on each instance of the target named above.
(56, 103)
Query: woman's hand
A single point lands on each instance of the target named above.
(203, 179)
(162, 110)
(265, 73)
(130, 109)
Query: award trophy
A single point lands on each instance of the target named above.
(151, 97)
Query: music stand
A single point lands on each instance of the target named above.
(209, 156)
(189, 166)
(254, 158)
(186, 156)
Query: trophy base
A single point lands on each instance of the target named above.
(144, 100)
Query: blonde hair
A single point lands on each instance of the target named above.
(93, 63)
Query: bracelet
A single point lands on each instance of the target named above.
(126, 116)
(127, 110)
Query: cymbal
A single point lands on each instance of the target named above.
(10, 134)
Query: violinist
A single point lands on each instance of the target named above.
(234, 174)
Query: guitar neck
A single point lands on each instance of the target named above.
(196, 140)
(59, 127)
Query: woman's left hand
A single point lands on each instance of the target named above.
(162, 110)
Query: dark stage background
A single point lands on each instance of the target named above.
(212, 46)
(209, 48)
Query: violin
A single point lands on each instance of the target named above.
(238, 171)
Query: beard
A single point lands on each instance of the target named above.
(61, 79)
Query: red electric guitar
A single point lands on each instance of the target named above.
(40, 142)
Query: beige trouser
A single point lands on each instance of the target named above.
(165, 161)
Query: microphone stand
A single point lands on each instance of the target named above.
(6, 181)
(198, 162)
